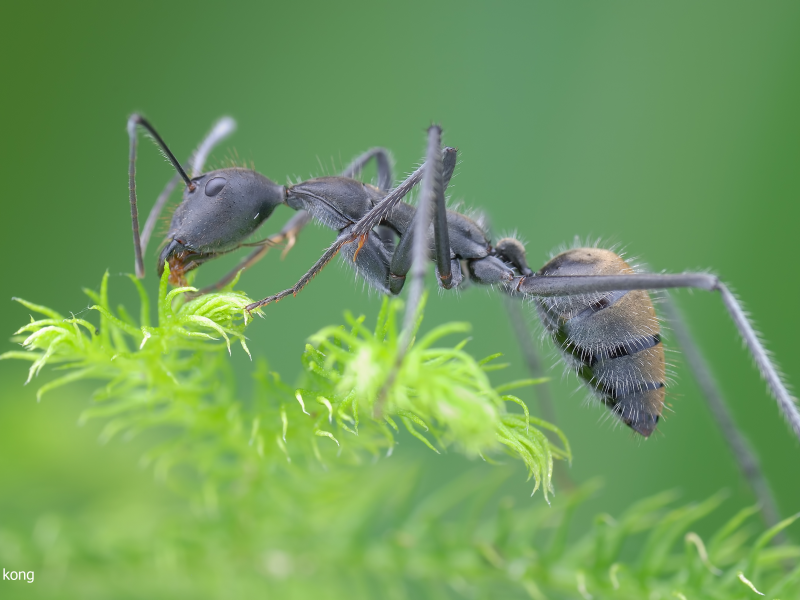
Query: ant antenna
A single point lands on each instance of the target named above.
(222, 129)
(133, 121)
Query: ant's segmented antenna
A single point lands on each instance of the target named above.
(133, 121)
(222, 129)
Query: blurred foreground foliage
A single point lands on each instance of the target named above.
(379, 531)
(288, 494)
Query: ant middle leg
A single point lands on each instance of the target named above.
(431, 198)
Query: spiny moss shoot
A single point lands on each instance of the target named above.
(353, 398)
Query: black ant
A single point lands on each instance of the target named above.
(595, 306)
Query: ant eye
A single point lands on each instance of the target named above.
(214, 186)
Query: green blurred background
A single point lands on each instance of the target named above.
(672, 129)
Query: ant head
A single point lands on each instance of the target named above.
(219, 211)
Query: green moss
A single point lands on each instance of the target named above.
(351, 401)
(289, 491)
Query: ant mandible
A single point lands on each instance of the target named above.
(595, 306)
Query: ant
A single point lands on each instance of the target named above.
(595, 306)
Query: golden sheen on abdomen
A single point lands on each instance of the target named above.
(612, 339)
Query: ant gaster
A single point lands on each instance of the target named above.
(595, 306)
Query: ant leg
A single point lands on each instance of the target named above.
(384, 161)
(133, 121)
(358, 233)
(222, 129)
(432, 188)
(431, 193)
(524, 334)
(740, 448)
(155, 212)
(288, 232)
(585, 284)
(445, 165)
(524, 337)
(381, 210)
(406, 248)
(512, 251)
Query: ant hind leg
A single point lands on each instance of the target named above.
(545, 286)
(742, 452)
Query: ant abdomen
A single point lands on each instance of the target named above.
(612, 339)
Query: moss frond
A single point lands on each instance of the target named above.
(441, 395)
(353, 398)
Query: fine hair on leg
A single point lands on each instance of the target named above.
(430, 188)
(431, 185)
(740, 448)
(546, 286)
